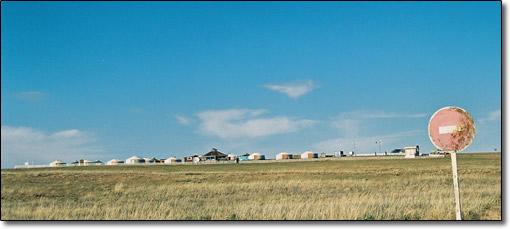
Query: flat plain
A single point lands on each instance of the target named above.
(336, 189)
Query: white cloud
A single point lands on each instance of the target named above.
(31, 96)
(239, 123)
(183, 120)
(492, 116)
(23, 143)
(348, 127)
(352, 123)
(293, 90)
(363, 144)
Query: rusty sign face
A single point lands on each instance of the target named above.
(451, 129)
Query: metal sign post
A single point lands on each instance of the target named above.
(452, 129)
(456, 186)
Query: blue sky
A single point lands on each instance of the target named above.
(103, 80)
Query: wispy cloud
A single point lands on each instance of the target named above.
(239, 123)
(491, 116)
(23, 143)
(348, 127)
(352, 123)
(363, 144)
(183, 120)
(30, 96)
(293, 89)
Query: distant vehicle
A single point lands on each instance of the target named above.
(397, 151)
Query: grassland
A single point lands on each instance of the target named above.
(393, 189)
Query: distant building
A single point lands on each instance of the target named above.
(232, 157)
(135, 160)
(192, 158)
(57, 163)
(283, 156)
(411, 152)
(214, 155)
(148, 160)
(157, 161)
(172, 160)
(257, 156)
(309, 154)
(115, 162)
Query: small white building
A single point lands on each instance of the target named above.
(411, 152)
(135, 160)
(283, 156)
(115, 162)
(57, 163)
(86, 162)
(148, 160)
(232, 157)
(309, 154)
(172, 160)
(257, 156)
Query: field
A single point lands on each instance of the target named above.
(369, 189)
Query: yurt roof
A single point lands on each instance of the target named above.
(215, 152)
(257, 153)
(115, 160)
(134, 158)
(307, 152)
(170, 158)
(86, 161)
(57, 161)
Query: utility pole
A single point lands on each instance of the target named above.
(379, 145)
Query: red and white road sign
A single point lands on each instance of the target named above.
(451, 129)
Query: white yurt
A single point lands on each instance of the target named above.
(309, 154)
(57, 163)
(283, 156)
(257, 156)
(135, 160)
(96, 162)
(148, 160)
(172, 160)
(231, 157)
(115, 162)
(86, 162)
(411, 152)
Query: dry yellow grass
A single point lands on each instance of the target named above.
(419, 189)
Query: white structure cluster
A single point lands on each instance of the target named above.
(215, 156)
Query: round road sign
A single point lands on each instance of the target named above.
(451, 129)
